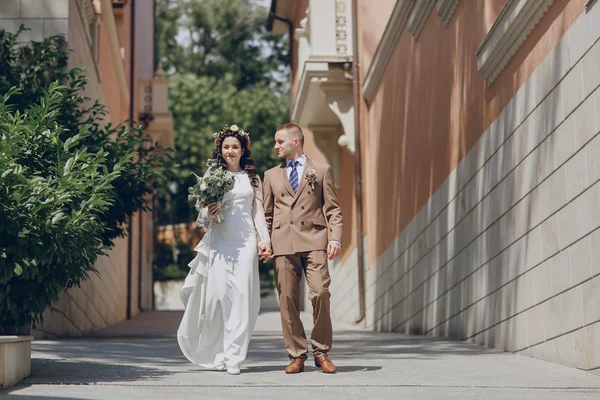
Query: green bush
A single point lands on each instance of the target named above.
(53, 197)
(67, 180)
(165, 266)
(163, 255)
(32, 68)
(170, 272)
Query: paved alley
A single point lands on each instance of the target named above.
(140, 359)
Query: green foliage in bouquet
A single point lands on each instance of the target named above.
(212, 187)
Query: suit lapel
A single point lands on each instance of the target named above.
(285, 181)
(307, 165)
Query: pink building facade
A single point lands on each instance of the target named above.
(480, 200)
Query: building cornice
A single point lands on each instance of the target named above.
(418, 16)
(445, 9)
(386, 48)
(515, 22)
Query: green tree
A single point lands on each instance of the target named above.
(225, 68)
(220, 37)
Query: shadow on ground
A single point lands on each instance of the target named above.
(102, 361)
(370, 346)
(146, 349)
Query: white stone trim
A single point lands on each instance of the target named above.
(341, 102)
(341, 28)
(386, 48)
(418, 16)
(312, 71)
(15, 359)
(328, 79)
(445, 9)
(508, 33)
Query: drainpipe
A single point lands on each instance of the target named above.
(273, 16)
(140, 253)
(357, 166)
(131, 112)
(141, 213)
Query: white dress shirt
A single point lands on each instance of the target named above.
(300, 169)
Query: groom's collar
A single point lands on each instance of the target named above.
(301, 160)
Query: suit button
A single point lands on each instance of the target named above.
(282, 195)
(302, 222)
(303, 207)
(291, 222)
(309, 192)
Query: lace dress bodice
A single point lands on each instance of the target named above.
(242, 209)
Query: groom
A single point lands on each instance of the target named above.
(305, 221)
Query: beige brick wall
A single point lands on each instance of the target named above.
(506, 253)
(99, 302)
(44, 18)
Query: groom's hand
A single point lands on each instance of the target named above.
(265, 251)
(333, 250)
(265, 257)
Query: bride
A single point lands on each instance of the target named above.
(222, 290)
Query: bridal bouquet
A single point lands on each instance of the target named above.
(211, 189)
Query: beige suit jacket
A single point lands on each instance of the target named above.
(306, 220)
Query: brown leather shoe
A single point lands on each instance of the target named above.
(322, 360)
(296, 365)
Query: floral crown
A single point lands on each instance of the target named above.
(231, 129)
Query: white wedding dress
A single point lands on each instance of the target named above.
(222, 290)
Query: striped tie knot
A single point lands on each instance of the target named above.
(294, 175)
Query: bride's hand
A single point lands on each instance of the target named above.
(266, 253)
(213, 209)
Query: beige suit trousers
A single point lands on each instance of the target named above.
(288, 272)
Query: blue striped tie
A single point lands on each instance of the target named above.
(294, 175)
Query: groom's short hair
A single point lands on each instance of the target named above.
(294, 130)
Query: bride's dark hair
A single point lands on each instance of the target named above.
(246, 161)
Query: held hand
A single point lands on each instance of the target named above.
(333, 250)
(265, 251)
(266, 255)
(213, 209)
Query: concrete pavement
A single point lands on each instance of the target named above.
(140, 359)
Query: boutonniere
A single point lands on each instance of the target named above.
(311, 177)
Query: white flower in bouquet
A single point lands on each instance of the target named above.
(212, 187)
